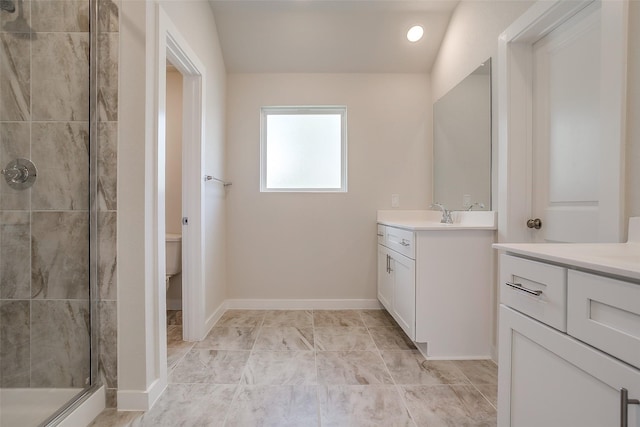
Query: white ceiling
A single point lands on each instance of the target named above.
(329, 36)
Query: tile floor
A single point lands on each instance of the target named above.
(313, 368)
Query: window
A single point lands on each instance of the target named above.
(303, 149)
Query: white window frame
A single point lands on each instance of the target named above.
(301, 110)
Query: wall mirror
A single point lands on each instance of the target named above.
(462, 143)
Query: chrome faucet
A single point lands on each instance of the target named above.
(446, 213)
(480, 205)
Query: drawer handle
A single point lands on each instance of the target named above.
(624, 402)
(380, 235)
(519, 287)
(404, 242)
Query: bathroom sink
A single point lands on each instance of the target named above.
(430, 220)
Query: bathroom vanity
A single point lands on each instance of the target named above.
(569, 334)
(436, 280)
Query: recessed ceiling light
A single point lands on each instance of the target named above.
(415, 33)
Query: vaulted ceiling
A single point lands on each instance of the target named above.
(325, 36)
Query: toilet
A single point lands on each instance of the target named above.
(173, 255)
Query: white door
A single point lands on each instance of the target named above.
(404, 292)
(562, 113)
(385, 284)
(566, 130)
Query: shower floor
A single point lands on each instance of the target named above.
(29, 407)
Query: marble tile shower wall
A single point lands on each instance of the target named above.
(44, 231)
(107, 116)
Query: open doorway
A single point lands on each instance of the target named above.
(179, 116)
(173, 213)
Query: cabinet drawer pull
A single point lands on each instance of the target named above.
(404, 242)
(624, 402)
(519, 287)
(380, 235)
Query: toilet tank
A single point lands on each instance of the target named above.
(173, 253)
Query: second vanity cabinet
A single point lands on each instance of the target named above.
(436, 283)
(569, 345)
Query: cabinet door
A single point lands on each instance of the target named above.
(404, 292)
(385, 284)
(550, 379)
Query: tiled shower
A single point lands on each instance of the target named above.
(58, 109)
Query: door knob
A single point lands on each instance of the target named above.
(534, 223)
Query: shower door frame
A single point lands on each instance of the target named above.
(91, 400)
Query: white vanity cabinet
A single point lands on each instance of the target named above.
(569, 344)
(396, 276)
(436, 283)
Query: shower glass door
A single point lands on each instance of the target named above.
(45, 208)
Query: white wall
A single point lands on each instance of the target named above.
(633, 112)
(323, 246)
(139, 338)
(195, 21)
(472, 38)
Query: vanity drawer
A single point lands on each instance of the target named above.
(400, 240)
(381, 234)
(536, 289)
(605, 313)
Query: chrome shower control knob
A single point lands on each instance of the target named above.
(20, 174)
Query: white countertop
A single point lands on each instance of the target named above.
(620, 259)
(430, 220)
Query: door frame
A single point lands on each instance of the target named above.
(515, 109)
(172, 46)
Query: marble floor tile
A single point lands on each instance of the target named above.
(410, 367)
(479, 371)
(174, 337)
(351, 367)
(174, 317)
(295, 318)
(356, 406)
(322, 318)
(115, 418)
(274, 406)
(449, 405)
(229, 338)
(391, 338)
(174, 356)
(378, 318)
(210, 366)
(281, 368)
(323, 373)
(490, 392)
(190, 405)
(339, 338)
(242, 318)
(284, 338)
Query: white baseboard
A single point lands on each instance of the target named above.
(86, 411)
(211, 320)
(135, 400)
(422, 348)
(302, 304)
